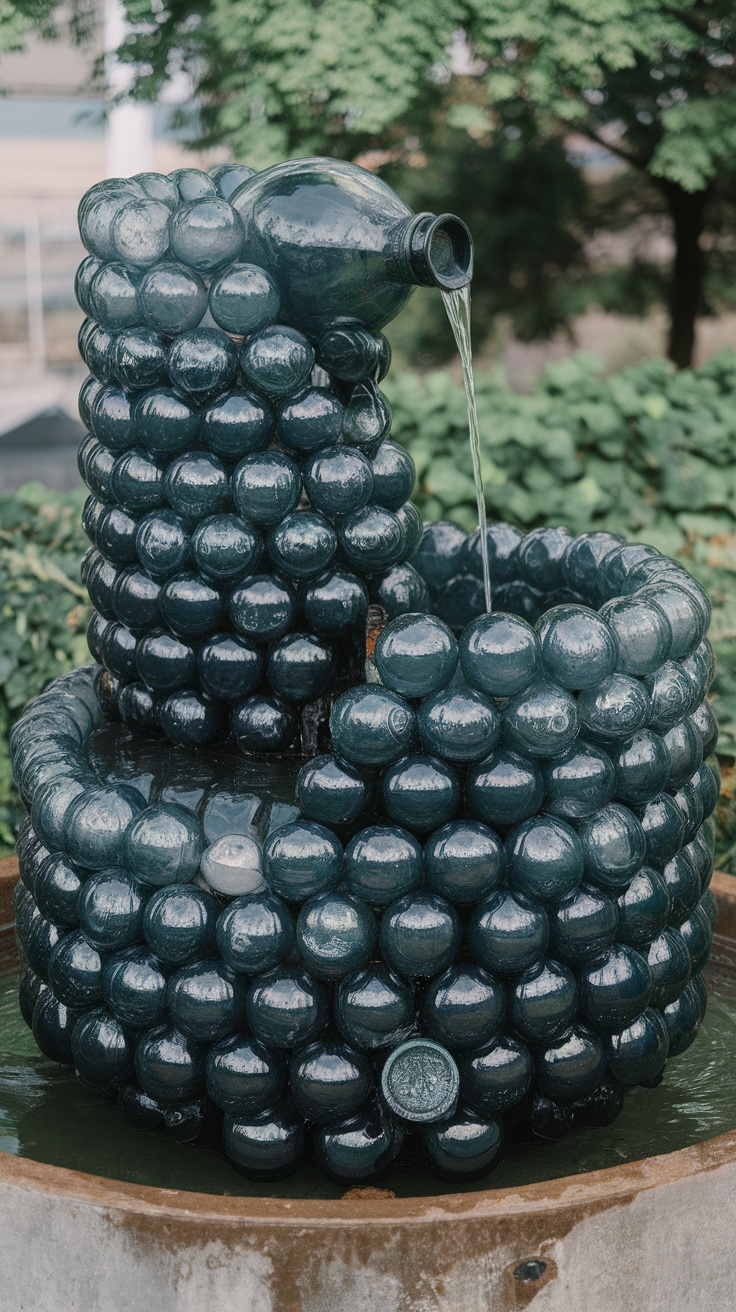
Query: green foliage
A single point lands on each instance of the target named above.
(279, 79)
(483, 121)
(653, 81)
(20, 17)
(17, 20)
(699, 137)
(43, 608)
(648, 453)
(662, 70)
(315, 72)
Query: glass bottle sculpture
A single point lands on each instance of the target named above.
(442, 881)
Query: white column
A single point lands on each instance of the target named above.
(129, 129)
(34, 292)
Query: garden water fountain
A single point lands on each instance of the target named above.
(368, 852)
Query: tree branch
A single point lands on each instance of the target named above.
(625, 155)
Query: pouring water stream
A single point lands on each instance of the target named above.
(457, 306)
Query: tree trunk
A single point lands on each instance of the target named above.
(687, 209)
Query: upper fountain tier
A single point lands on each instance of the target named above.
(247, 503)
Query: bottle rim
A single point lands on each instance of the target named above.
(440, 250)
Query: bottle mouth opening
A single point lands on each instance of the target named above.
(441, 252)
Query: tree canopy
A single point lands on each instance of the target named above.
(304, 73)
(653, 81)
(18, 18)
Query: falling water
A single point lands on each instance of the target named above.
(457, 305)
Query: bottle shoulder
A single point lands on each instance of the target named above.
(306, 188)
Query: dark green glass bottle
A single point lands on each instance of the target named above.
(342, 245)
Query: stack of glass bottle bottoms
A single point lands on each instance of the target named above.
(322, 859)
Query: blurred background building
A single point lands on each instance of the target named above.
(55, 142)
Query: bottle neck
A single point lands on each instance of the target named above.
(435, 251)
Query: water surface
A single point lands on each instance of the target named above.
(46, 1115)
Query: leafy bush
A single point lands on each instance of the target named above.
(647, 453)
(43, 608)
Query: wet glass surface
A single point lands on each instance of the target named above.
(47, 1115)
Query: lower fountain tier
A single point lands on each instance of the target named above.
(200, 955)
